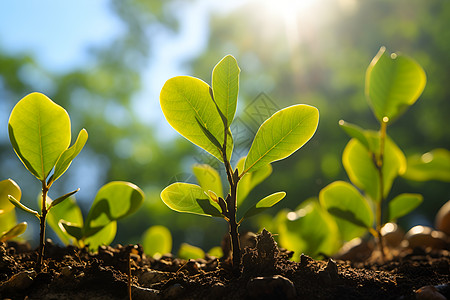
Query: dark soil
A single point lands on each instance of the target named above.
(267, 273)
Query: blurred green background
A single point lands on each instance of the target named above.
(106, 61)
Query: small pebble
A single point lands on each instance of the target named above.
(429, 292)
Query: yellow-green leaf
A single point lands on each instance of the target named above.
(8, 187)
(157, 241)
(208, 178)
(402, 205)
(281, 135)
(433, 165)
(264, 204)
(250, 180)
(39, 131)
(13, 232)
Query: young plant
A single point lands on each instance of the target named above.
(114, 201)
(371, 159)
(203, 115)
(8, 227)
(40, 133)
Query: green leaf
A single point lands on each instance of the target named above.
(264, 204)
(187, 251)
(433, 165)
(184, 101)
(105, 236)
(39, 131)
(157, 240)
(61, 199)
(402, 205)
(216, 252)
(250, 180)
(225, 86)
(19, 205)
(114, 201)
(281, 135)
(67, 156)
(359, 165)
(13, 232)
(353, 213)
(208, 178)
(308, 230)
(72, 229)
(8, 220)
(67, 211)
(190, 198)
(393, 83)
(8, 187)
(356, 132)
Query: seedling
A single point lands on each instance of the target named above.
(39, 131)
(114, 201)
(203, 115)
(8, 227)
(371, 159)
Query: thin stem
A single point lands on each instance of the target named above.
(42, 218)
(379, 166)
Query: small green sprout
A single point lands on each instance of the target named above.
(114, 201)
(371, 158)
(203, 115)
(40, 133)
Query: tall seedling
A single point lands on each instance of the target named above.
(203, 115)
(371, 159)
(40, 133)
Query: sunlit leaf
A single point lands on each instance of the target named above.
(157, 240)
(264, 204)
(433, 165)
(352, 211)
(114, 201)
(250, 180)
(356, 132)
(393, 83)
(13, 232)
(74, 230)
(69, 211)
(19, 205)
(402, 205)
(8, 187)
(208, 178)
(225, 86)
(39, 131)
(61, 199)
(360, 167)
(190, 198)
(281, 135)
(67, 156)
(103, 237)
(8, 220)
(185, 101)
(216, 252)
(187, 251)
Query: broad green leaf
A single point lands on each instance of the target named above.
(71, 229)
(308, 230)
(281, 135)
(13, 232)
(39, 131)
(208, 178)
(353, 213)
(114, 201)
(402, 205)
(225, 86)
(185, 101)
(7, 220)
(393, 83)
(360, 166)
(67, 156)
(250, 180)
(187, 251)
(216, 252)
(433, 165)
(157, 240)
(356, 132)
(70, 212)
(19, 205)
(264, 204)
(103, 237)
(190, 198)
(8, 187)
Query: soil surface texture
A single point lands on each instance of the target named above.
(267, 273)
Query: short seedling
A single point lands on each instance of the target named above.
(371, 159)
(39, 131)
(114, 201)
(203, 115)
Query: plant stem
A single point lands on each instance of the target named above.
(379, 167)
(42, 218)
